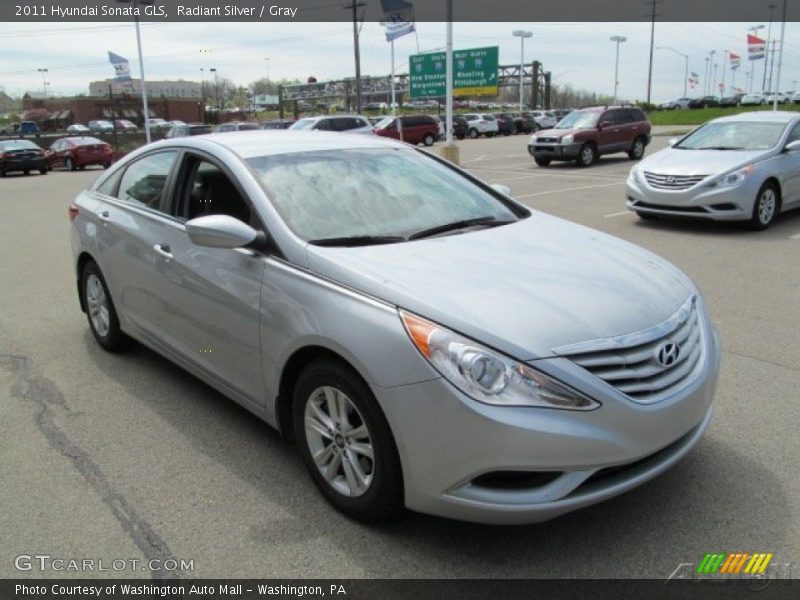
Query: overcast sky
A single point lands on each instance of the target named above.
(580, 54)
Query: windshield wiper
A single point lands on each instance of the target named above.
(721, 148)
(358, 240)
(456, 225)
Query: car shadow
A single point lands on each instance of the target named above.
(673, 519)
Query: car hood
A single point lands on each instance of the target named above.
(671, 161)
(523, 288)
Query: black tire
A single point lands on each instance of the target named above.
(460, 136)
(542, 162)
(489, 134)
(26, 172)
(2, 173)
(106, 165)
(587, 155)
(428, 140)
(762, 217)
(384, 495)
(43, 171)
(69, 164)
(473, 133)
(507, 132)
(82, 167)
(637, 149)
(113, 340)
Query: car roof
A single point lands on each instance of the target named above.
(261, 142)
(780, 116)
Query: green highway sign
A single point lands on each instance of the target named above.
(474, 73)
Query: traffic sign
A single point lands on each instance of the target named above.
(474, 73)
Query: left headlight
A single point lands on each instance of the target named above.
(732, 178)
(488, 376)
(567, 139)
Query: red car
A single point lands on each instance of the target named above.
(415, 129)
(75, 153)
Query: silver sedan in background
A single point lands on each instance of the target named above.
(426, 340)
(744, 167)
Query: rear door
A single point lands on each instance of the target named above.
(609, 137)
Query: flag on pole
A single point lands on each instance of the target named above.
(398, 18)
(755, 47)
(735, 61)
(122, 68)
(694, 79)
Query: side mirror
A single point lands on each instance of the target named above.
(792, 146)
(604, 124)
(503, 189)
(220, 231)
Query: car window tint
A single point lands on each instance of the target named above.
(637, 115)
(209, 191)
(324, 125)
(144, 180)
(608, 116)
(623, 116)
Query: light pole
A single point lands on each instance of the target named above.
(618, 39)
(44, 80)
(216, 91)
(766, 50)
(780, 60)
(133, 3)
(267, 59)
(705, 77)
(521, 35)
(712, 73)
(686, 67)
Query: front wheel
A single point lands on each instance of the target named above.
(766, 207)
(460, 136)
(473, 133)
(103, 320)
(637, 149)
(345, 442)
(542, 162)
(586, 156)
(428, 140)
(69, 164)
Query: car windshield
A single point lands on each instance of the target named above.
(579, 120)
(18, 145)
(372, 193)
(733, 135)
(304, 124)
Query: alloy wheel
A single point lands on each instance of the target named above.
(339, 441)
(97, 303)
(767, 203)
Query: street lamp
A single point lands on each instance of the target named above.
(133, 4)
(521, 35)
(216, 91)
(686, 67)
(44, 80)
(618, 39)
(711, 79)
(267, 59)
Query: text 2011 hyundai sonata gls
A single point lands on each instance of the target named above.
(426, 340)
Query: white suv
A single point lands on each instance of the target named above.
(481, 124)
(348, 123)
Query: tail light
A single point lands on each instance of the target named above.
(72, 211)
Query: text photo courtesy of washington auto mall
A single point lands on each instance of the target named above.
(399, 299)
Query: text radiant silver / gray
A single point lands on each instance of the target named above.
(426, 340)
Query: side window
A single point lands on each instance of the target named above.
(323, 125)
(144, 181)
(110, 185)
(794, 135)
(609, 117)
(623, 116)
(637, 115)
(56, 146)
(209, 191)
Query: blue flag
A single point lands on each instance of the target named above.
(122, 68)
(399, 18)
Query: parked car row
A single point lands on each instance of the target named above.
(71, 153)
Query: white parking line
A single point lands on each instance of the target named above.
(572, 189)
(619, 214)
(481, 157)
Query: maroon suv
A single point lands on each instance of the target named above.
(414, 129)
(585, 134)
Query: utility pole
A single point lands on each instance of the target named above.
(766, 49)
(780, 57)
(355, 6)
(652, 41)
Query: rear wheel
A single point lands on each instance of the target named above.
(69, 163)
(542, 162)
(587, 155)
(766, 207)
(428, 140)
(345, 441)
(100, 310)
(637, 149)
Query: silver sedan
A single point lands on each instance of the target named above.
(744, 167)
(426, 340)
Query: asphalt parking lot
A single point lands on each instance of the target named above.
(128, 457)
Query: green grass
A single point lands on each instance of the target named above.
(697, 116)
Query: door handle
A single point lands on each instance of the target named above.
(105, 217)
(163, 250)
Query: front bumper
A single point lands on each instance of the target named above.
(554, 151)
(732, 203)
(28, 164)
(448, 443)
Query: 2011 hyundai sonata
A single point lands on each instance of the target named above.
(425, 339)
(744, 167)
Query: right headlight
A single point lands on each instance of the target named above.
(488, 376)
(567, 139)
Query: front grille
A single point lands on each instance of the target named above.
(547, 140)
(672, 182)
(635, 364)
